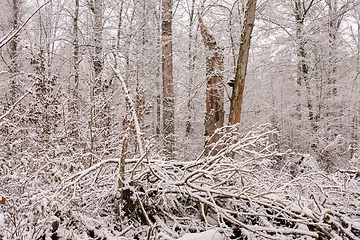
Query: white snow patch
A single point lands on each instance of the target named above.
(2, 220)
(212, 234)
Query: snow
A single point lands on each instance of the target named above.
(2, 220)
(212, 234)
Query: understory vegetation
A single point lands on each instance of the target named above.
(242, 185)
(179, 119)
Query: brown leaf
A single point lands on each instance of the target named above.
(2, 201)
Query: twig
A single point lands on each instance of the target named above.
(126, 230)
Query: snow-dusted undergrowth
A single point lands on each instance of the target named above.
(240, 187)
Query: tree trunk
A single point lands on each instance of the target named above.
(167, 76)
(13, 52)
(99, 109)
(214, 117)
(242, 61)
(97, 59)
(76, 46)
(190, 107)
(300, 12)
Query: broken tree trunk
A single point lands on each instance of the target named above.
(214, 117)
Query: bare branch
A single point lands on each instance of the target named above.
(14, 32)
(131, 104)
(14, 105)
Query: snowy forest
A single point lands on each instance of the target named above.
(179, 119)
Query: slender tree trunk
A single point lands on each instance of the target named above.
(158, 127)
(73, 135)
(97, 59)
(214, 117)
(13, 45)
(300, 12)
(302, 66)
(97, 88)
(242, 61)
(167, 76)
(119, 27)
(158, 109)
(336, 15)
(188, 124)
(334, 23)
(76, 62)
(356, 117)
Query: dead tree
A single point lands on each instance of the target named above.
(214, 117)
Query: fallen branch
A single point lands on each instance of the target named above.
(242, 194)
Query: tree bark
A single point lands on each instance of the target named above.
(99, 109)
(188, 124)
(97, 59)
(300, 12)
(13, 52)
(167, 76)
(242, 61)
(214, 117)
(76, 46)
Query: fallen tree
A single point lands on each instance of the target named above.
(241, 185)
(239, 190)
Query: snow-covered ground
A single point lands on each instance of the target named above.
(212, 234)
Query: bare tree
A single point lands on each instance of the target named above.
(13, 51)
(96, 7)
(76, 61)
(242, 61)
(188, 125)
(167, 76)
(300, 12)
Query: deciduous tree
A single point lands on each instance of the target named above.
(242, 61)
(167, 76)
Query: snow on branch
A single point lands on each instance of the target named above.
(14, 32)
(239, 190)
(131, 104)
(14, 105)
